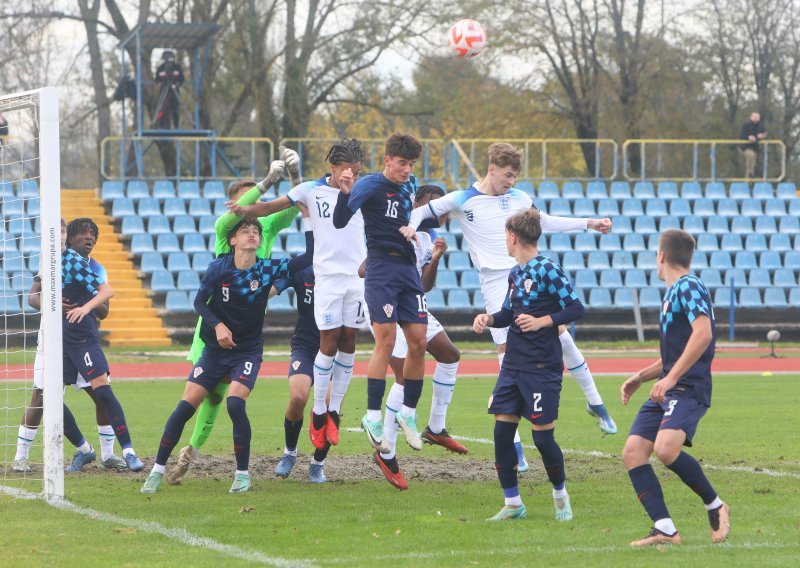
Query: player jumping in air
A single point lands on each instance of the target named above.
(339, 302)
(238, 285)
(539, 299)
(680, 397)
(482, 211)
(392, 287)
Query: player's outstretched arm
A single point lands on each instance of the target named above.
(553, 224)
(698, 343)
(342, 212)
(430, 270)
(292, 161)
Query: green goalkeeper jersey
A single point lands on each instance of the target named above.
(270, 227)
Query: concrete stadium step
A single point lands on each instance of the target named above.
(142, 335)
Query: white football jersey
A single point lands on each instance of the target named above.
(483, 221)
(336, 251)
(423, 250)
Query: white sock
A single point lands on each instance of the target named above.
(84, 448)
(340, 378)
(25, 438)
(245, 472)
(514, 501)
(517, 439)
(666, 526)
(408, 411)
(288, 452)
(560, 493)
(390, 428)
(576, 365)
(715, 504)
(315, 462)
(158, 468)
(323, 367)
(374, 415)
(127, 451)
(107, 438)
(444, 382)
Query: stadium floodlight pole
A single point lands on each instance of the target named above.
(50, 188)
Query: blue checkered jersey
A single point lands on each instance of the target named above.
(539, 288)
(685, 301)
(79, 283)
(386, 207)
(238, 299)
(306, 332)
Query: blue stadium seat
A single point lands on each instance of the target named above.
(559, 207)
(470, 280)
(755, 243)
(219, 207)
(583, 208)
(122, 207)
(787, 190)
(212, 241)
(750, 298)
(645, 224)
(650, 298)
(722, 298)
(620, 190)
(458, 261)
(694, 224)
(752, 207)
(763, 190)
(744, 259)
(452, 243)
(199, 206)
(585, 278)
(167, 243)
(776, 208)
(717, 226)
(728, 208)
(644, 190)
(19, 226)
(633, 242)
(668, 222)
(775, 298)
(295, 243)
(732, 242)
(635, 278)
(33, 207)
(560, 242)
(206, 225)
(771, 260)
(779, 242)
(152, 261)
(610, 242)
(201, 260)
(715, 190)
(632, 207)
(6, 190)
(792, 258)
(178, 301)
(8, 247)
(142, 243)
(112, 190)
(548, 190)
(652, 242)
(435, 300)
(668, 190)
(611, 278)
(691, 190)
(454, 227)
(572, 190)
(10, 304)
(188, 280)
(13, 261)
(158, 225)
(458, 300)
(765, 225)
(680, 208)
(623, 298)
(137, 189)
(189, 189)
(598, 260)
(148, 207)
(607, 208)
(177, 261)
(600, 298)
(554, 256)
(741, 225)
(789, 224)
(573, 261)
(794, 296)
(174, 206)
(704, 207)
(739, 190)
(759, 278)
(194, 242)
(543, 243)
(161, 281)
(622, 225)
(163, 189)
(585, 242)
(21, 282)
(478, 301)
(281, 303)
(735, 276)
(446, 280)
(183, 225)
(525, 186)
(646, 260)
(596, 190)
(14, 208)
(656, 207)
(214, 189)
(622, 260)
(794, 207)
(34, 264)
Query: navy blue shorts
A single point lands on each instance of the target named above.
(533, 396)
(677, 412)
(302, 363)
(393, 291)
(88, 360)
(215, 364)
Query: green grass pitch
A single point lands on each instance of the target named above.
(753, 426)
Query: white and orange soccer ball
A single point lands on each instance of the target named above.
(466, 38)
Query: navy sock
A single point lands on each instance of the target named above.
(375, 391)
(241, 432)
(71, 430)
(173, 430)
(505, 454)
(320, 455)
(690, 472)
(411, 392)
(291, 432)
(115, 414)
(648, 489)
(552, 458)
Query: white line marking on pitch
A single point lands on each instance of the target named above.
(596, 454)
(181, 535)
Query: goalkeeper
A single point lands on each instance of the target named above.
(244, 192)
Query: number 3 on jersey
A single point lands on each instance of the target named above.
(391, 209)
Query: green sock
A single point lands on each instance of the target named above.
(207, 415)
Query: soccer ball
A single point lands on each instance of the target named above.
(466, 38)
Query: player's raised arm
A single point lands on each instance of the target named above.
(436, 208)
(351, 197)
(430, 270)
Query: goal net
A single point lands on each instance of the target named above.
(31, 446)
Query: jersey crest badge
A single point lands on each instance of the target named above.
(469, 215)
(197, 372)
(388, 309)
(254, 285)
(528, 284)
(296, 365)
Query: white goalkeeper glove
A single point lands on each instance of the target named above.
(292, 161)
(276, 169)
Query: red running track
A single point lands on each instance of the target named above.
(468, 367)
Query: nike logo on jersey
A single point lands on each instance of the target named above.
(390, 194)
(535, 416)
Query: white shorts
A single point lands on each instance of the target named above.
(38, 370)
(494, 287)
(339, 301)
(401, 346)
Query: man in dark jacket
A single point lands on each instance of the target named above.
(753, 131)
